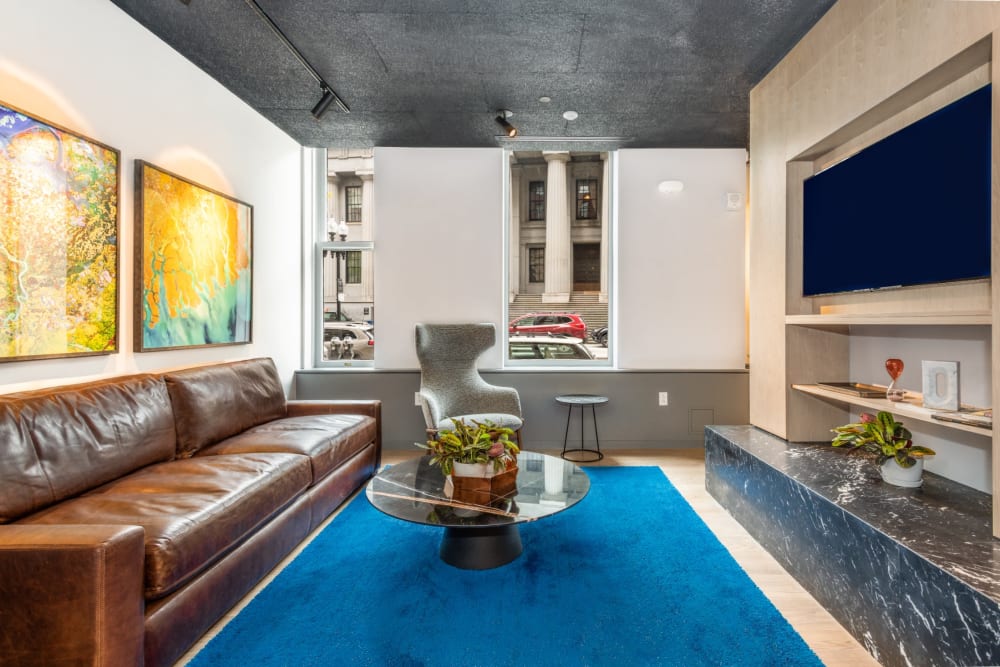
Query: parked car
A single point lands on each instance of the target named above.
(533, 324)
(600, 336)
(547, 347)
(348, 340)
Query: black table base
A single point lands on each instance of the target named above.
(480, 548)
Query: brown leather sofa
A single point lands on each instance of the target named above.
(135, 511)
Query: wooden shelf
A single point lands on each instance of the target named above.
(839, 320)
(909, 407)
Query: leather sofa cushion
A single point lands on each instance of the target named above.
(193, 510)
(328, 440)
(56, 443)
(214, 402)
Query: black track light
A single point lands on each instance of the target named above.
(323, 103)
(508, 129)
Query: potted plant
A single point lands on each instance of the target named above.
(479, 460)
(900, 461)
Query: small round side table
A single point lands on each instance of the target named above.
(582, 401)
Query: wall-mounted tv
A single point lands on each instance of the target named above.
(911, 209)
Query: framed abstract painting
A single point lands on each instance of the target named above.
(193, 264)
(59, 259)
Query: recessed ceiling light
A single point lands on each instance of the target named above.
(570, 115)
(544, 99)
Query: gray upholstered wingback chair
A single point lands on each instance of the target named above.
(450, 384)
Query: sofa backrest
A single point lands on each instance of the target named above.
(212, 403)
(59, 442)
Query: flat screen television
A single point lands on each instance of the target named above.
(911, 209)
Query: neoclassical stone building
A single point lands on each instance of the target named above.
(350, 200)
(559, 216)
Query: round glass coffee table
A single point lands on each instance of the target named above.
(478, 537)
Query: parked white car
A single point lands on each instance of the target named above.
(547, 347)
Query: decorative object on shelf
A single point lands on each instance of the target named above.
(194, 264)
(895, 369)
(979, 418)
(58, 241)
(899, 460)
(940, 385)
(479, 460)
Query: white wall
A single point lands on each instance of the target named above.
(438, 245)
(681, 260)
(86, 65)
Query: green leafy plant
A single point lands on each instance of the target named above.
(478, 442)
(883, 436)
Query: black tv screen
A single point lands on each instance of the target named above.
(912, 209)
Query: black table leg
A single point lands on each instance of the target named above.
(480, 548)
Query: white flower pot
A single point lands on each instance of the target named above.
(484, 470)
(911, 477)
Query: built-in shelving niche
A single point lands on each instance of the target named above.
(819, 329)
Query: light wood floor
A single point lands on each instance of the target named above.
(686, 470)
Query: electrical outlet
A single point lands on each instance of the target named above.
(416, 398)
(664, 398)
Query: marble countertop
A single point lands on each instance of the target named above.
(943, 521)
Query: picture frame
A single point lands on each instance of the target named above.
(193, 274)
(940, 385)
(59, 232)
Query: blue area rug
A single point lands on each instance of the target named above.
(630, 576)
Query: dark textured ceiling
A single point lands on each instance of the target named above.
(665, 73)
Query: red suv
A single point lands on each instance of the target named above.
(535, 324)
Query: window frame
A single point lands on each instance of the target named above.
(352, 267)
(318, 305)
(353, 203)
(539, 250)
(609, 217)
(532, 202)
(593, 204)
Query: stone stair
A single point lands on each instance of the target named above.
(587, 306)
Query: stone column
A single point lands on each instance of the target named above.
(332, 201)
(367, 232)
(558, 248)
(605, 225)
(514, 242)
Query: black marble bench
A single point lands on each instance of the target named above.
(913, 574)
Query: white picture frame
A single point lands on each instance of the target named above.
(940, 385)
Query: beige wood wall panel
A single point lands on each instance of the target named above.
(995, 258)
(862, 53)
(767, 274)
(797, 173)
(963, 297)
(815, 356)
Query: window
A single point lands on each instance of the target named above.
(586, 199)
(344, 280)
(353, 262)
(536, 265)
(536, 200)
(559, 296)
(352, 194)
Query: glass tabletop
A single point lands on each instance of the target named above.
(415, 491)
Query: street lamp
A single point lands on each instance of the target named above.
(334, 230)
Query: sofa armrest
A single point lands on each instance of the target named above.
(71, 595)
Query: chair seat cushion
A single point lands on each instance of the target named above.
(500, 419)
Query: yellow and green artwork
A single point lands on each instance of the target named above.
(58, 241)
(193, 277)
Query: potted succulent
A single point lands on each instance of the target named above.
(479, 460)
(900, 461)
